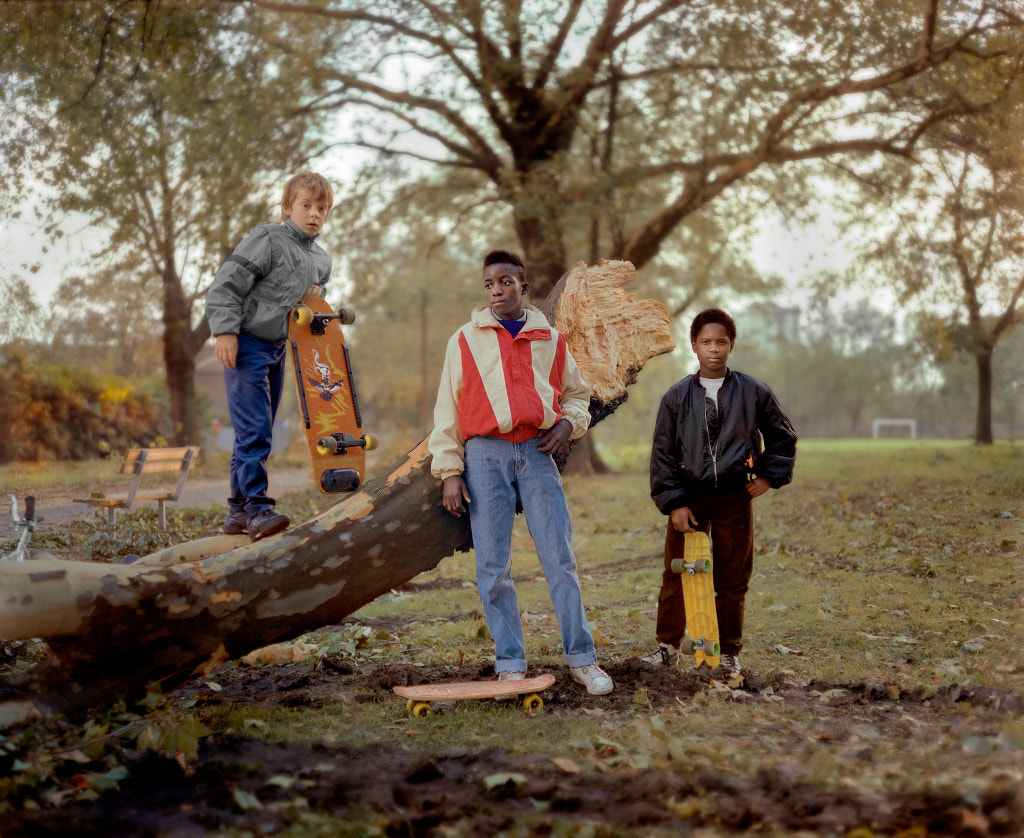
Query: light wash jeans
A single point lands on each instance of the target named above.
(497, 472)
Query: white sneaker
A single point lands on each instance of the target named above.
(511, 675)
(730, 663)
(663, 655)
(595, 679)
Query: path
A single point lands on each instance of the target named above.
(197, 493)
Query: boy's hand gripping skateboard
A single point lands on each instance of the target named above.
(420, 696)
(698, 598)
(326, 393)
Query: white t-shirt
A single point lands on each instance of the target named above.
(712, 386)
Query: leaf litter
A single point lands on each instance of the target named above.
(660, 777)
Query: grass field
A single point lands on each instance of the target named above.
(884, 665)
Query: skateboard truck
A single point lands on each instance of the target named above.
(701, 644)
(340, 443)
(698, 566)
(317, 322)
(27, 526)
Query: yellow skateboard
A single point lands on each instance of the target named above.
(420, 696)
(699, 598)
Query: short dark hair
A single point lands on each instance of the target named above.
(506, 257)
(712, 315)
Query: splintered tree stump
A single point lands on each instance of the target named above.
(114, 629)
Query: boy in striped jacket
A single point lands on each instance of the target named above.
(510, 397)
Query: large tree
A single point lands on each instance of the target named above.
(167, 127)
(603, 125)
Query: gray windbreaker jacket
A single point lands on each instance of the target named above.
(256, 287)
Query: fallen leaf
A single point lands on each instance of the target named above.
(566, 764)
(507, 778)
(246, 801)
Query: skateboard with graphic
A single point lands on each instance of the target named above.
(699, 598)
(420, 696)
(328, 405)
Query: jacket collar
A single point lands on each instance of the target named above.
(301, 235)
(695, 378)
(535, 319)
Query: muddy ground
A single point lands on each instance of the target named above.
(413, 794)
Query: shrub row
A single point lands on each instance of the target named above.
(60, 412)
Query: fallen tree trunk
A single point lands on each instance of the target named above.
(114, 629)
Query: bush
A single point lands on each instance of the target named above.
(61, 412)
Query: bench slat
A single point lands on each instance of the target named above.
(157, 459)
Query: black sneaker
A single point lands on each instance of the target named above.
(267, 522)
(237, 522)
(663, 655)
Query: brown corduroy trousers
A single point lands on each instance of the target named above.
(729, 522)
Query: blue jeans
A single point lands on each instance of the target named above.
(254, 388)
(497, 473)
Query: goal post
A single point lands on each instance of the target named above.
(878, 424)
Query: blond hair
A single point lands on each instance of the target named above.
(316, 184)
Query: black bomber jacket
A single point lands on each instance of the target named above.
(756, 439)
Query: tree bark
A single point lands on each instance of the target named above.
(179, 359)
(114, 629)
(983, 426)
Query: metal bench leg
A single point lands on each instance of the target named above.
(163, 516)
(111, 518)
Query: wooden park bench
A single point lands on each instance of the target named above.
(139, 461)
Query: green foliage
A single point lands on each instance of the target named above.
(57, 411)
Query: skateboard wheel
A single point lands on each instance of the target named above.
(532, 702)
(715, 650)
(410, 704)
(421, 708)
(302, 315)
(346, 316)
(699, 566)
(677, 565)
(339, 480)
(370, 442)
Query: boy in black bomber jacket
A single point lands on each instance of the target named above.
(720, 440)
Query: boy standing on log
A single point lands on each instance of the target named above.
(248, 306)
(720, 440)
(510, 397)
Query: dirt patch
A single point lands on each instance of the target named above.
(244, 785)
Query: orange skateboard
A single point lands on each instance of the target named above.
(326, 393)
(420, 696)
(699, 598)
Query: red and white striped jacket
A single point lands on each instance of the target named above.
(511, 388)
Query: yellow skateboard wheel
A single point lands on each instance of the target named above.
(303, 315)
(372, 441)
(422, 708)
(532, 702)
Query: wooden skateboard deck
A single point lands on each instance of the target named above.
(328, 406)
(420, 695)
(699, 597)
